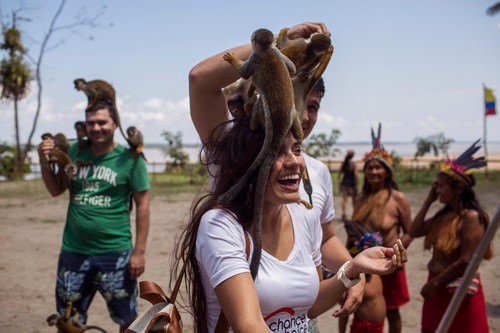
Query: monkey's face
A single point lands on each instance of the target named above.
(131, 131)
(320, 42)
(100, 127)
(262, 39)
(236, 106)
(79, 84)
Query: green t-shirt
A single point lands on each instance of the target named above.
(98, 219)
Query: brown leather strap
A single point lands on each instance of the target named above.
(153, 293)
(222, 323)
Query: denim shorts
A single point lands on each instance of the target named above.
(80, 276)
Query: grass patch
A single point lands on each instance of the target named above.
(179, 183)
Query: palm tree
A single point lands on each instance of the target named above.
(15, 76)
(494, 9)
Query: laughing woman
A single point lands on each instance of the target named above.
(217, 243)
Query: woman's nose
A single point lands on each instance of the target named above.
(291, 158)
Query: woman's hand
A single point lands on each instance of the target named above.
(304, 30)
(432, 195)
(379, 260)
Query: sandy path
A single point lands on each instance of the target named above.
(31, 236)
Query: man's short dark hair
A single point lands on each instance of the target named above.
(319, 86)
(105, 104)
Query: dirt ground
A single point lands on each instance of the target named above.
(31, 236)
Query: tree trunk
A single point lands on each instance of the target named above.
(19, 162)
(43, 48)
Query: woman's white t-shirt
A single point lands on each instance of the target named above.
(286, 288)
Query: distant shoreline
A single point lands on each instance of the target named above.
(346, 143)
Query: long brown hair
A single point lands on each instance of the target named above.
(442, 233)
(232, 153)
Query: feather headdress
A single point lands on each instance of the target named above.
(461, 167)
(378, 151)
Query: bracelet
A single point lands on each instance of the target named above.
(348, 283)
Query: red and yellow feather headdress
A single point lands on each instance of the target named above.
(461, 167)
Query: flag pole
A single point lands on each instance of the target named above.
(484, 130)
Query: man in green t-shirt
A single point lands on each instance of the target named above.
(97, 253)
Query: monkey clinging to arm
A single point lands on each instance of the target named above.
(60, 154)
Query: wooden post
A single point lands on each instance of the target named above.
(471, 269)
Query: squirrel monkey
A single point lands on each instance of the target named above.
(60, 154)
(81, 136)
(311, 57)
(96, 90)
(274, 111)
(238, 101)
(136, 141)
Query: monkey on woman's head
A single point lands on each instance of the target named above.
(262, 39)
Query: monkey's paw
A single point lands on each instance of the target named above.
(229, 57)
(52, 319)
(71, 169)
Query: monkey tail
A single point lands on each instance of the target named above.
(266, 147)
(123, 134)
(260, 189)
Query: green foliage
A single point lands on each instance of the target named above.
(8, 163)
(15, 73)
(15, 76)
(193, 179)
(12, 41)
(435, 143)
(321, 145)
(175, 149)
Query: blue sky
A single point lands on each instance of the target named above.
(416, 66)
